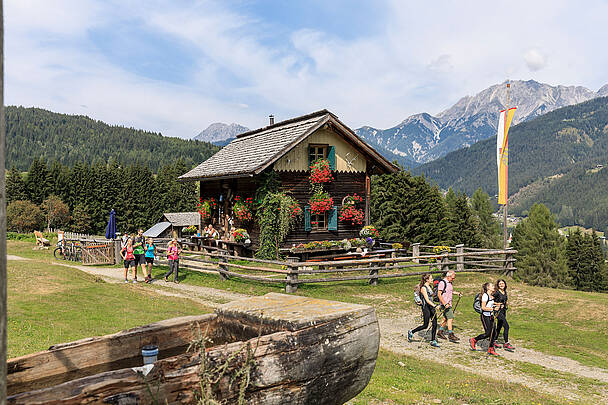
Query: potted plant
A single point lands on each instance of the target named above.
(370, 234)
(206, 207)
(241, 235)
(243, 209)
(349, 211)
(320, 202)
(320, 172)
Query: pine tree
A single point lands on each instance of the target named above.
(38, 181)
(15, 186)
(488, 225)
(463, 226)
(541, 257)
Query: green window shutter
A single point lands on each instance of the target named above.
(307, 226)
(331, 157)
(332, 219)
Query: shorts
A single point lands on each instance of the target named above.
(447, 313)
(140, 259)
(129, 263)
(150, 260)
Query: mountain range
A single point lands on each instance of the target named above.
(422, 137)
(559, 159)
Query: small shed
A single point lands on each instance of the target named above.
(172, 223)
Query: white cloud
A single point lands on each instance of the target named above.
(426, 56)
(535, 60)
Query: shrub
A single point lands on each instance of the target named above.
(23, 216)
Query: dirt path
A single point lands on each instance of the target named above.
(508, 367)
(393, 332)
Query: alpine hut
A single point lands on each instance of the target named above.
(288, 149)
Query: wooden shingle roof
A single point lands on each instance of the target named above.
(183, 218)
(254, 151)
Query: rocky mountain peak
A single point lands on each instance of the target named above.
(220, 132)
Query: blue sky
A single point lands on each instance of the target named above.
(176, 66)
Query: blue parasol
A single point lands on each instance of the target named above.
(111, 228)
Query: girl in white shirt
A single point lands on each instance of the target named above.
(487, 318)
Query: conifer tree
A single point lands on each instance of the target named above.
(541, 257)
(463, 225)
(38, 181)
(488, 225)
(15, 186)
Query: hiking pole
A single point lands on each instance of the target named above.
(456, 306)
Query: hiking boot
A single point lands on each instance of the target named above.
(453, 338)
(497, 345)
(508, 347)
(441, 334)
(472, 342)
(410, 336)
(434, 343)
(492, 352)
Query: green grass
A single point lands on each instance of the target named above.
(49, 304)
(558, 322)
(423, 381)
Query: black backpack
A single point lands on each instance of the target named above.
(436, 282)
(477, 303)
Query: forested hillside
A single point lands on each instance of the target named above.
(569, 142)
(68, 139)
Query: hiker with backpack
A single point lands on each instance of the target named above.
(442, 294)
(484, 302)
(424, 294)
(500, 296)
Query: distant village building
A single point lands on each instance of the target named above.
(288, 148)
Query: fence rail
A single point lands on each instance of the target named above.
(392, 264)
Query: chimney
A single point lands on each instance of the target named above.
(271, 117)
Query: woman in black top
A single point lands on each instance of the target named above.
(428, 309)
(500, 295)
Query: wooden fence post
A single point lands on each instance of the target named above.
(291, 286)
(460, 259)
(416, 251)
(117, 256)
(222, 264)
(444, 263)
(508, 267)
(373, 272)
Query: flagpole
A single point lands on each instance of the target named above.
(504, 225)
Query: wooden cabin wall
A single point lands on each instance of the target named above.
(297, 183)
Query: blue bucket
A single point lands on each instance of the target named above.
(149, 353)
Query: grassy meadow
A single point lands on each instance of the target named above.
(49, 304)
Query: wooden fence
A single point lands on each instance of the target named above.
(95, 249)
(388, 263)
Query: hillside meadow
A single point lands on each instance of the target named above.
(50, 303)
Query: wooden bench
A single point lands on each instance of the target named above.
(41, 241)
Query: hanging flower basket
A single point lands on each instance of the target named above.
(243, 209)
(349, 211)
(320, 172)
(206, 207)
(320, 203)
(351, 214)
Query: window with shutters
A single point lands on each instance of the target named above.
(316, 152)
(318, 222)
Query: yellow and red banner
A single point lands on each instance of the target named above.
(502, 153)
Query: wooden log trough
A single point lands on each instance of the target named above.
(285, 349)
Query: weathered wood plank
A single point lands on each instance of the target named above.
(324, 353)
(89, 356)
